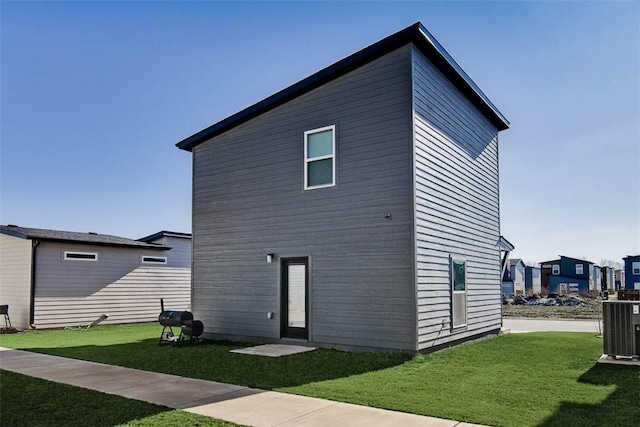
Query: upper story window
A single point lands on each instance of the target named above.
(635, 268)
(80, 256)
(579, 269)
(146, 259)
(555, 270)
(319, 157)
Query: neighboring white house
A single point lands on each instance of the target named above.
(53, 279)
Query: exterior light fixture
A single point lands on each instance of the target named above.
(269, 258)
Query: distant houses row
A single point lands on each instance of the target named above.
(569, 275)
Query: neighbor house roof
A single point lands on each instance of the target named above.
(576, 259)
(75, 237)
(515, 261)
(505, 245)
(164, 233)
(416, 34)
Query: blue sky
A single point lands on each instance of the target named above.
(94, 95)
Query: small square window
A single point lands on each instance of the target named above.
(636, 268)
(319, 158)
(579, 269)
(555, 270)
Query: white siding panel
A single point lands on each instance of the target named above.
(69, 293)
(456, 207)
(15, 279)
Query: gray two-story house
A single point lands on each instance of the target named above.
(356, 209)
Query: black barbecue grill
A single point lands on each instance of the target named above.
(170, 319)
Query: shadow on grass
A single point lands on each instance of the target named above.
(617, 409)
(212, 361)
(28, 401)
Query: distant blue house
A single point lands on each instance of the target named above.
(632, 272)
(567, 275)
(532, 280)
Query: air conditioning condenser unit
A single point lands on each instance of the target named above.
(621, 321)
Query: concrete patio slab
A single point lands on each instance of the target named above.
(273, 350)
(631, 361)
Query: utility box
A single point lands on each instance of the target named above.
(621, 328)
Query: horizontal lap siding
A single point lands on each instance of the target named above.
(72, 292)
(457, 207)
(15, 279)
(180, 253)
(249, 201)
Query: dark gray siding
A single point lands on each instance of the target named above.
(457, 207)
(249, 201)
(118, 284)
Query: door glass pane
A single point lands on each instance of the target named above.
(297, 297)
(320, 172)
(320, 144)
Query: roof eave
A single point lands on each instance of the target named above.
(415, 33)
(84, 242)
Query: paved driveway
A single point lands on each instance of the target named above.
(545, 325)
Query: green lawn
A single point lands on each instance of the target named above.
(27, 401)
(516, 380)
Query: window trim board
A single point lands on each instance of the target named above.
(143, 261)
(453, 259)
(331, 156)
(86, 256)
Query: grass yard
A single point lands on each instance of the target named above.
(33, 402)
(538, 379)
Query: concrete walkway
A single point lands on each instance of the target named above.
(517, 325)
(233, 403)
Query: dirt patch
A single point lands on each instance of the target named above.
(557, 312)
(553, 307)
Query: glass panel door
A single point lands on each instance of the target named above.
(294, 301)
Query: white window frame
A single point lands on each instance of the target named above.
(555, 269)
(332, 156)
(454, 293)
(68, 256)
(581, 268)
(144, 259)
(635, 268)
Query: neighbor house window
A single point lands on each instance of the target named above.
(319, 157)
(579, 269)
(154, 259)
(80, 256)
(555, 270)
(459, 292)
(636, 268)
